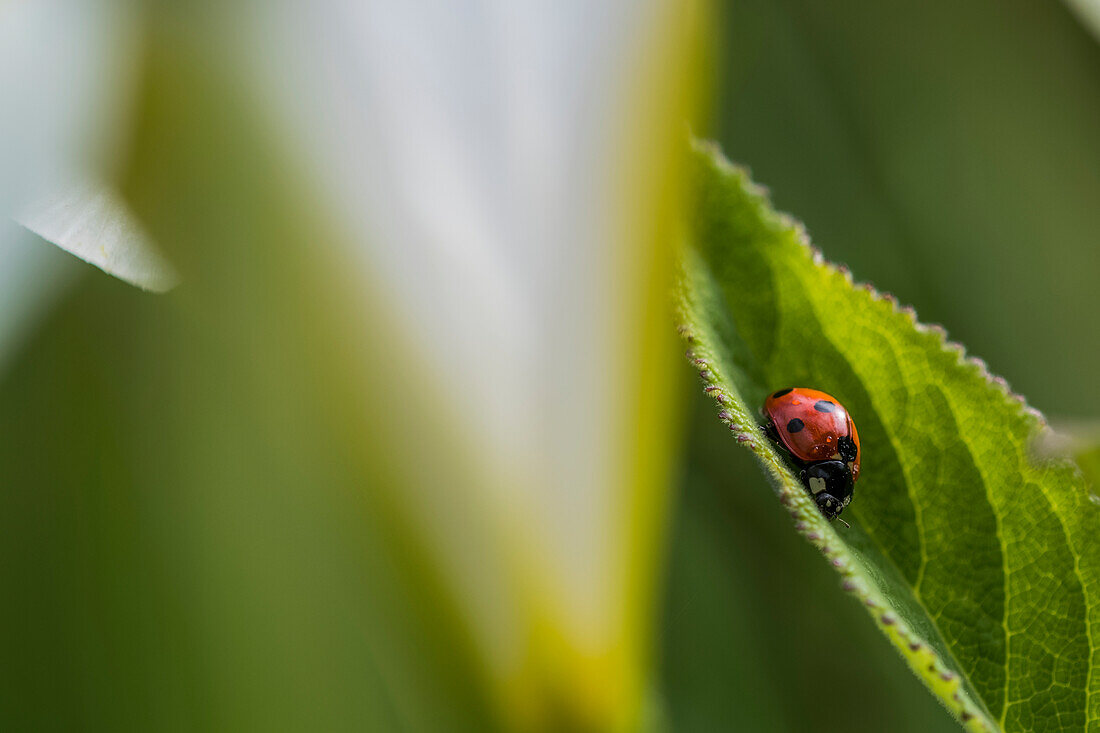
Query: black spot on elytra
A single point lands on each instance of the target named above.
(795, 425)
(847, 448)
(824, 406)
(782, 392)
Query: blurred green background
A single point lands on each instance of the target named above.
(947, 152)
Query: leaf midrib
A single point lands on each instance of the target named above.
(1021, 459)
(998, 519)
(1017, 490)
(943, 647)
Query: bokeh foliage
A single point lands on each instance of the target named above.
(948, 153)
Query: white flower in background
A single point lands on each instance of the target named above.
(1088, 12)
(505, 173)
(500, 166)
(90, 220)
(67, 70)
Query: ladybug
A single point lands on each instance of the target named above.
(818, 435)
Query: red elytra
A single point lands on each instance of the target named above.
(810, 424)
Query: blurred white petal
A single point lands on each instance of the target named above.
(91, 221)
(66, 75)
(483, 156)
(1088, 12)
(66, 78)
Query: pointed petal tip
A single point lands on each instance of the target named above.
(92, 221)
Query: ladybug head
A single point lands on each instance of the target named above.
(830, 483)
(829, 505)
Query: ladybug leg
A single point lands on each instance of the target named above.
(769, 431)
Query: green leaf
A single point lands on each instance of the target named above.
(976, 559)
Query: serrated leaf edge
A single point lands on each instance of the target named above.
(943, 681)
